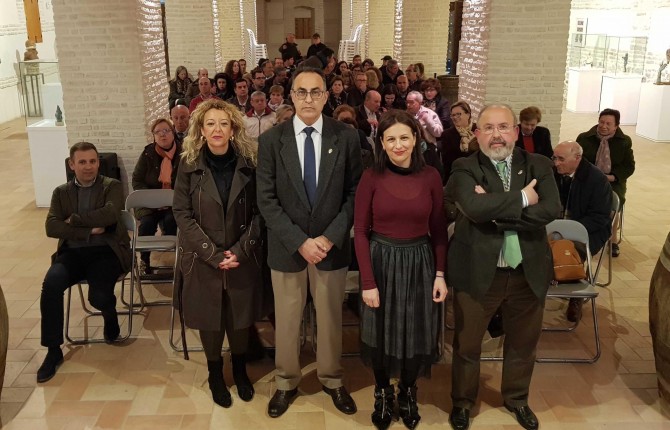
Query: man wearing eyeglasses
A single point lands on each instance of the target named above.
(499, 257)
(307, 174)
(357, 94)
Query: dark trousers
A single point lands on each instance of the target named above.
(98, 265)
(149, 226)
(522, 313)
(212, 340)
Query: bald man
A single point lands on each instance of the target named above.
(194, 89)
(180, 116)
(586, 197)
(367, 114)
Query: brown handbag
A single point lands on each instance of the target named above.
(568, 265)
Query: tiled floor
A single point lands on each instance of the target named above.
(144, 384)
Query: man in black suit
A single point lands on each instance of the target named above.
(367, 114)
(356, 95)
(499, 256)
(586, 197)
(307, 174)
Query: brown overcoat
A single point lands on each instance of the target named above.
(205, 232)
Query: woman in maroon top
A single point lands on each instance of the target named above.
(400, 241)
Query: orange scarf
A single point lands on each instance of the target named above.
(165, 176)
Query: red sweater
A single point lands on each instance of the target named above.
(401, 207)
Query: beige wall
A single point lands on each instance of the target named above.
(425, 30)
(381, 29)
(190, 28)
(113, 72)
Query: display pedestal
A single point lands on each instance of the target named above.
(48, 149)
(621, 92)
(653, 123)
(584, 90)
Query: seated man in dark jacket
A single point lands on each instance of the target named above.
(93, 245)
(586, 197)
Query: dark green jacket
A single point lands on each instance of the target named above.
(108, 201)
(483, 219)
(621, 153)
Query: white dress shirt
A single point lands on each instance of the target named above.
(300, 136)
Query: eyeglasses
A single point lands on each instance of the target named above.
(163, 131)
(502, 129)
(314, 94)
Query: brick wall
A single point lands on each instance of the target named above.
(515, 53)
(526, 56)
(473, 53)
(113, 73)
(425, 31)
(381, 23)
(190, 33)
(230, 31)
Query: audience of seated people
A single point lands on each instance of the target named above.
(447, 133)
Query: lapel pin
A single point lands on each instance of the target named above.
(330, 151)
(520, 172)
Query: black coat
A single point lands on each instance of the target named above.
(483, 219)
(541, 140)
(588, 200)
(206, 231)
(283, 202)
(443, 110)
(362, 120)
(451, 149)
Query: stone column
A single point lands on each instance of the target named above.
(515, 53)
(112, 67)
(381, 24)
(190, 31)
(425, 33)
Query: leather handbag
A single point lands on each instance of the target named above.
(568, 265)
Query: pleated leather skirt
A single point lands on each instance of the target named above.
(402, 331)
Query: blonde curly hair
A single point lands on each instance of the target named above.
(241, 142)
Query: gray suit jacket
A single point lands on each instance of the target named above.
(483, 218)
(283, 202)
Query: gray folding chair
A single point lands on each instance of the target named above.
(128, 221)
(152, 199)
(583, 289)
(607, 249)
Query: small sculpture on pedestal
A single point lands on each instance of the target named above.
(625, 63)
(663, 77)
(31, 54)
(59, 116)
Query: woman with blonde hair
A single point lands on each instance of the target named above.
(220, 239)
(179, 85)
(374, 78)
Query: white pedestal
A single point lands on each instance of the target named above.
(584, 90)
(48, 151)
(653, 121)
(52, 96)
(622, 92)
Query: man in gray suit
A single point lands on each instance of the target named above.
(307, 174)
(499, 257)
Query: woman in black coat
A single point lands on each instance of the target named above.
(157, 169)
(532, 137)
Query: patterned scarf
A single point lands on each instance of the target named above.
(182, 85)
(165, 176)
(466, 136)
(603, 160)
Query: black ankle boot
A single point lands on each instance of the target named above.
(407, 407)
(245, 388)
(111, 330)
(383, 413)
(217, 385)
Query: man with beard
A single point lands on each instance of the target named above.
(499, 257)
